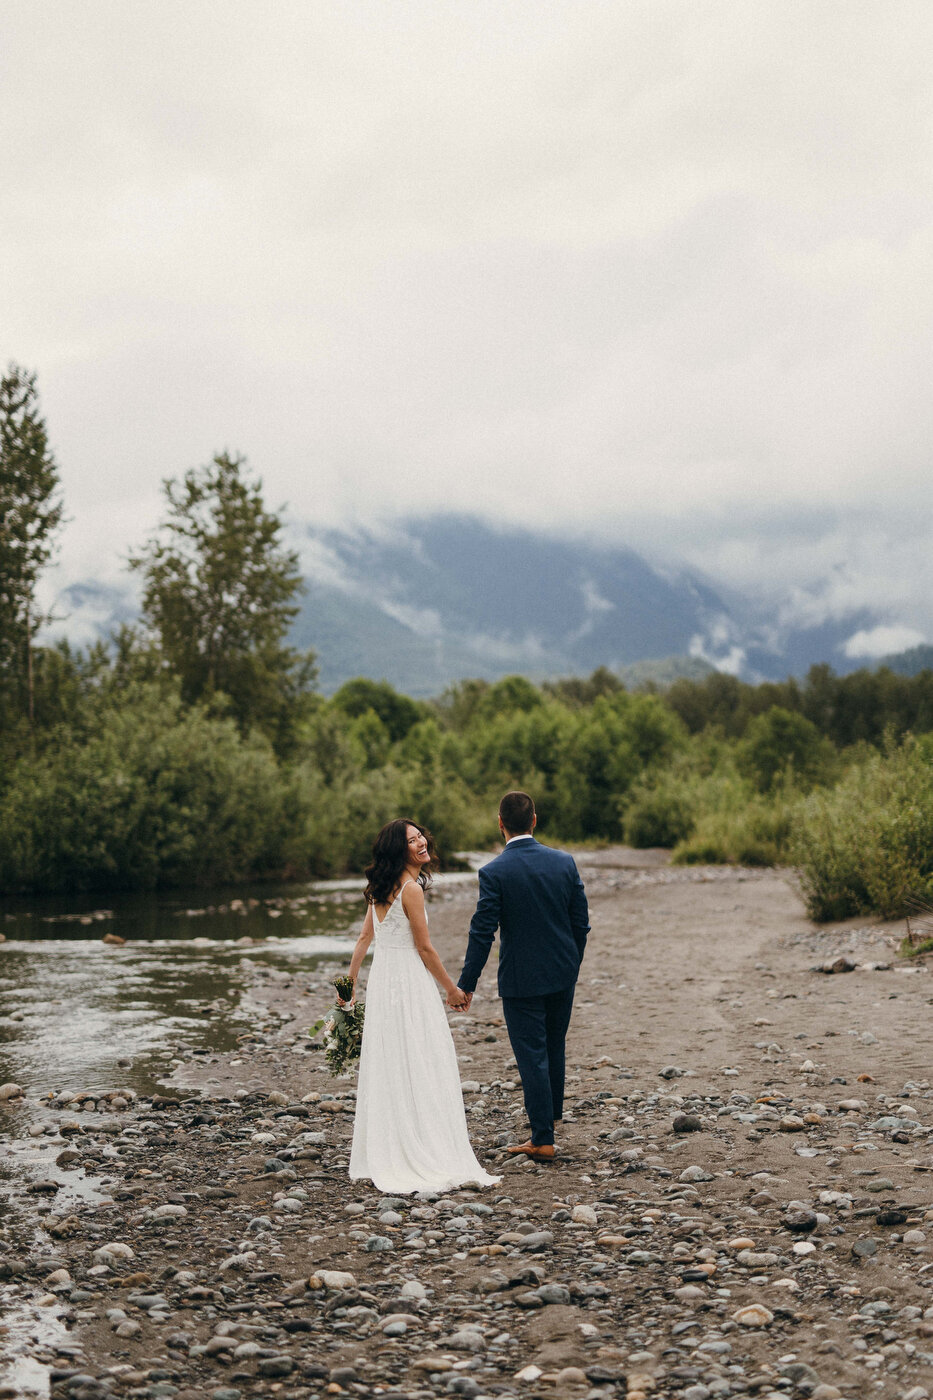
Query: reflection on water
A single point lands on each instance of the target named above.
(79, 1014)
(231, 913)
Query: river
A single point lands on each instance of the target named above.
(78, 1012)
(81, 1014)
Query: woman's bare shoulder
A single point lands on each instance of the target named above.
(412, 896)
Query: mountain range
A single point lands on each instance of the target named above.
(439, 599)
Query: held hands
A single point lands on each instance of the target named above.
(458, 999)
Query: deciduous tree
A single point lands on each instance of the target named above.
(219, 590)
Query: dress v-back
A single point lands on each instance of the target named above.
(410, 1131)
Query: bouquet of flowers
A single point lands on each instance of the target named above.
(343, 1029)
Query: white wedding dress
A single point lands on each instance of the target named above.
(410, 1131)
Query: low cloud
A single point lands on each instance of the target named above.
(881, 641)
(584, 269)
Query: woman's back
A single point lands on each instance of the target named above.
(392, 928)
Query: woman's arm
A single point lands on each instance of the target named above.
(361, 949)
(412, 898)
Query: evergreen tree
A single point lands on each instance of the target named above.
(30, 516)
(219, 593)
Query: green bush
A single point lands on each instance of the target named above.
(758, 832)
(866, 847)
(659, 817)
(160, 796)
(734, 823)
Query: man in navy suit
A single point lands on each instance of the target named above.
(534, 896)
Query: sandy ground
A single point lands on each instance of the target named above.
(799, 1185)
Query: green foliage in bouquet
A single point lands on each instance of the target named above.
(343, 1029)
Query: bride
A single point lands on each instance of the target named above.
(410, 1131)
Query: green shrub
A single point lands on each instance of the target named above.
(160, 796)
(734, 823)
(756, 833)
(659, 817)
(867, 846)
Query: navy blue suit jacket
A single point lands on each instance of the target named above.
(534, 896)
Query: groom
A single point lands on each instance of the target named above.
(534, 896)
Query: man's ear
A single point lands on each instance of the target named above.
(534, 820)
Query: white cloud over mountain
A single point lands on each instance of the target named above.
(655, 272)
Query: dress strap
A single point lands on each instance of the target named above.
(395, 901)
(401, 890)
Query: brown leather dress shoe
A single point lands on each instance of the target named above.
(544, 1153)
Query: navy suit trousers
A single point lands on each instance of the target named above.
(537, 1029)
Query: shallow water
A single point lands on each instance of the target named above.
(77, 1013)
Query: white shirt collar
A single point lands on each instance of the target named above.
(525, 836)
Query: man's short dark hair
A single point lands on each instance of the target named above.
(517, 812)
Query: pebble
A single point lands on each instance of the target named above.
(754, 1315)
(275, 1366)
(584, 1215)
(333, 1279)
(536, 1240)
(466, 1339)
(553, 1293)
(800, 1219)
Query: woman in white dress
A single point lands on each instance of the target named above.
(410, 1131)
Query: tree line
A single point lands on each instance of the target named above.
(194, 747)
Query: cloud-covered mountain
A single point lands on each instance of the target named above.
(447, 597)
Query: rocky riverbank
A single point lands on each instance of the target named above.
(742, 1204)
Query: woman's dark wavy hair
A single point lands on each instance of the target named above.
(390, 856)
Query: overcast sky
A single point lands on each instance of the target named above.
(657, 271)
